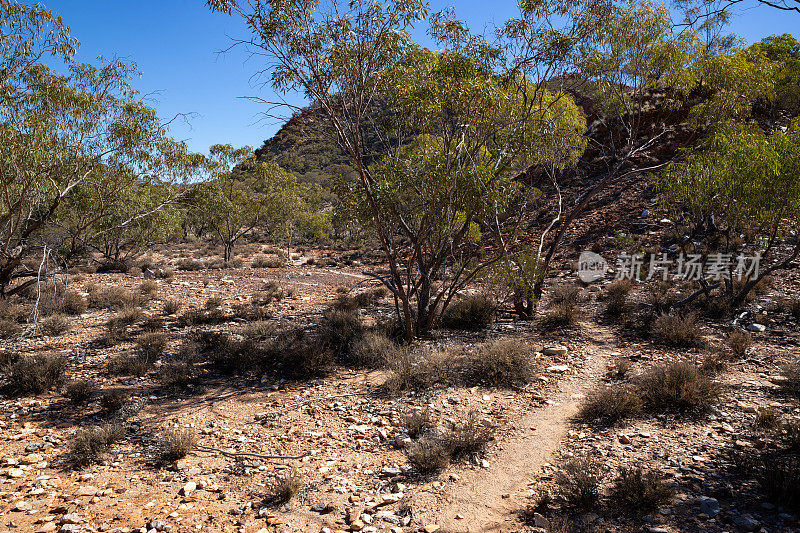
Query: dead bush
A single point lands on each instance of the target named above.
(767, 418)
(9, 328)
(678, 386)
(265, 261)
(373, 350)
(258, 330)
(677, 331)
(151, 345)
(35, 374)
(621, 368)
(471, 313)
(298, 355)
(149, 288)
(791, 378)
(467, 438)
(79, 391)
(428, 456)
(171, 307)
(55, 325)
(566, 294)
(738, 342)
(135, 364)
(189, 264)
(578, 483)
(560, 315)
(415, 368)
(638, 490)
(74, 303)
(503, 363)
(89, 445)
(790, 435)
(779, 477)
(113, 298)
(794, 307)
(418, 423)
(250, 311)
(285, 487)
(340, 331)
(616, 296)
(111, 402)
(610, 405)
(176, 444)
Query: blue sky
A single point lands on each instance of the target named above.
(176, 45)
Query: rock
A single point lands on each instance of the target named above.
(558, 369)
(88, 490)
(709, 506)
(322, 508)
(624, 439)
(746, 522)
(71, 518)
(388, 499)
(189, 488)
(47, 528)
(540, 521)
(556, 349)
(356, 525)
(31, 459)
(69, 528)
(22, 506)
(757, 328)
(15, 472)
(657, 530)
(431, 528)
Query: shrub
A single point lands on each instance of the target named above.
(616, 296)
(739, 342)
(620, 368)
(189, 264)
(250, 311)
(791, 378)
(9, 328)
(767, 418)
(373, 350)
(298, 355)
(467, 438)
(415, 369)
(176, 375)
(677, 331)
(790, 435)
(35, 374)
(418, 423)
(637, 490)
(566, 294)
(151, 345)
(340, 331)
(779, 477)
(578, 483)
(258, 330)
(55, 325)
(264, 261)
(193, 317)
(74, 303)
(177, 444)
(129, 365)
(171, 307)
(79, 391)
(89, 445)
(610, 405)
(428, 456)
(472, 313)
(113, 401)
(794, 307)
(149, 288)
(285, 487)
(677, 386)
(560, 315)
(112, 298)
(502, 363)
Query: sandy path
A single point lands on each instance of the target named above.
(478, 498)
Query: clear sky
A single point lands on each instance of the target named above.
(176, 45)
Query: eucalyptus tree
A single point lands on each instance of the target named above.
(59, 131)
(241, 193)
(454, 130)
(749, 180)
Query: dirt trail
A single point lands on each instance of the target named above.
(478, 497)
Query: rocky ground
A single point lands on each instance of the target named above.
(343, 436)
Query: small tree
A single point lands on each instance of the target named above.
(241, 194)
(58, 132)
(749, 182)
